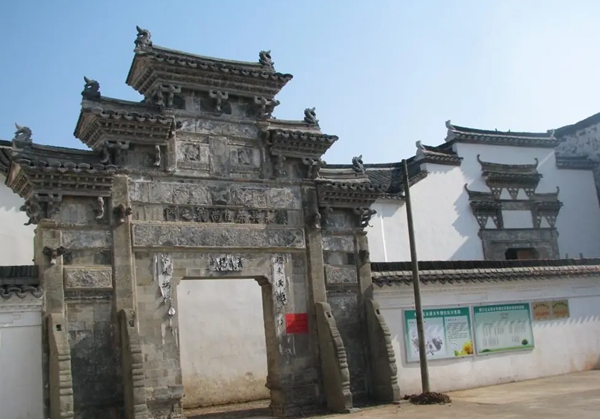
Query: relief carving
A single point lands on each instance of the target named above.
(225, 263)
(54, 254)
(279, 161)
(91, 89)
(244, 156)
(219, 97)
(121, 213)
(225, 215)
(22, 134)
(33, 211)
(164, 273)
(157, 156)
(99, 208)
(364, 215)
(265, 107)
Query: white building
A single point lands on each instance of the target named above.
(489, 195)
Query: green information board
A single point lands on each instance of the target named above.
(447, 333)
(504, 327)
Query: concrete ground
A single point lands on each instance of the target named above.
(565, 396)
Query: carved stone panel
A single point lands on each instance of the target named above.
(88, 278)
(150, 235)
(497, 242)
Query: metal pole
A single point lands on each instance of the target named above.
(416, 284)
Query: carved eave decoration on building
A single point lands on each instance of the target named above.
(343, 187)
(546, 206)
(575, 163)
(437, 155)
(20, 282)
(5, 152)
(505, 138)
(484, 206)
(109, 121)
(296, 140)
(153, 66)
(42, 175)
(511, 177)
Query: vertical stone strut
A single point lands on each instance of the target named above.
(133, 367)
(61, 385)
(124, 302)
(336, 377)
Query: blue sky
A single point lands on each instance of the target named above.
(381, 73)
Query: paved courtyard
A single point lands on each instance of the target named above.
(566, 396)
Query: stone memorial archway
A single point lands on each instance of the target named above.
(199, 181)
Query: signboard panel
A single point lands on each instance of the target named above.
(447, 333)
(503, 327)
(296, 323)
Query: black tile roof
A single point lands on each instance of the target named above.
(448, 272)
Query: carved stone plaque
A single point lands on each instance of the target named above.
(225, 263)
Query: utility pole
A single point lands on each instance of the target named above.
(416, 284)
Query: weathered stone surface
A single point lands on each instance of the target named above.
(340, 275)
(90, 278)
(86, 239)
(147, 235)
(339, 243)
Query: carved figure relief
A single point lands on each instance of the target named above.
(310, 116)
(143, 38)
(279, 170)
(164, 274)
(364, 215)
(244, 156)
(121, 212)
(157, 156)
(22, 134)
(314, 167)
(91, 89)
(357, 165)
(220, 195)
(219, 97)
(33, 210)
(54, 254)
(265, 107)
(100, 208)
(225, 263)
(264, 59)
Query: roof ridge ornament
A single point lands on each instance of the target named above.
(358, 165)
(22, 133)
(144, 38)
(91, 89)
(264, 59)
(310, 116)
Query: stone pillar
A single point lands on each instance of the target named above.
(47, 241)
(124, 279)
(125, 302)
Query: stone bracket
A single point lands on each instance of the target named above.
(334, 361)
(384, 371)
(61, 381)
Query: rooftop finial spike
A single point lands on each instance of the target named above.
(264, 59)
(22, 133)
(144, 38)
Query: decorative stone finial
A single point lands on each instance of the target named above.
(264, 59)
(357, 165)
(91, 90)
(143, 38)
(449, 124)
(22, 133)
(310, 116)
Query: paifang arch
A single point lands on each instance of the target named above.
(199, 181)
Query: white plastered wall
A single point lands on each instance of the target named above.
(16, 239)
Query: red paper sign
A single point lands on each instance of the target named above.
(296, 323)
